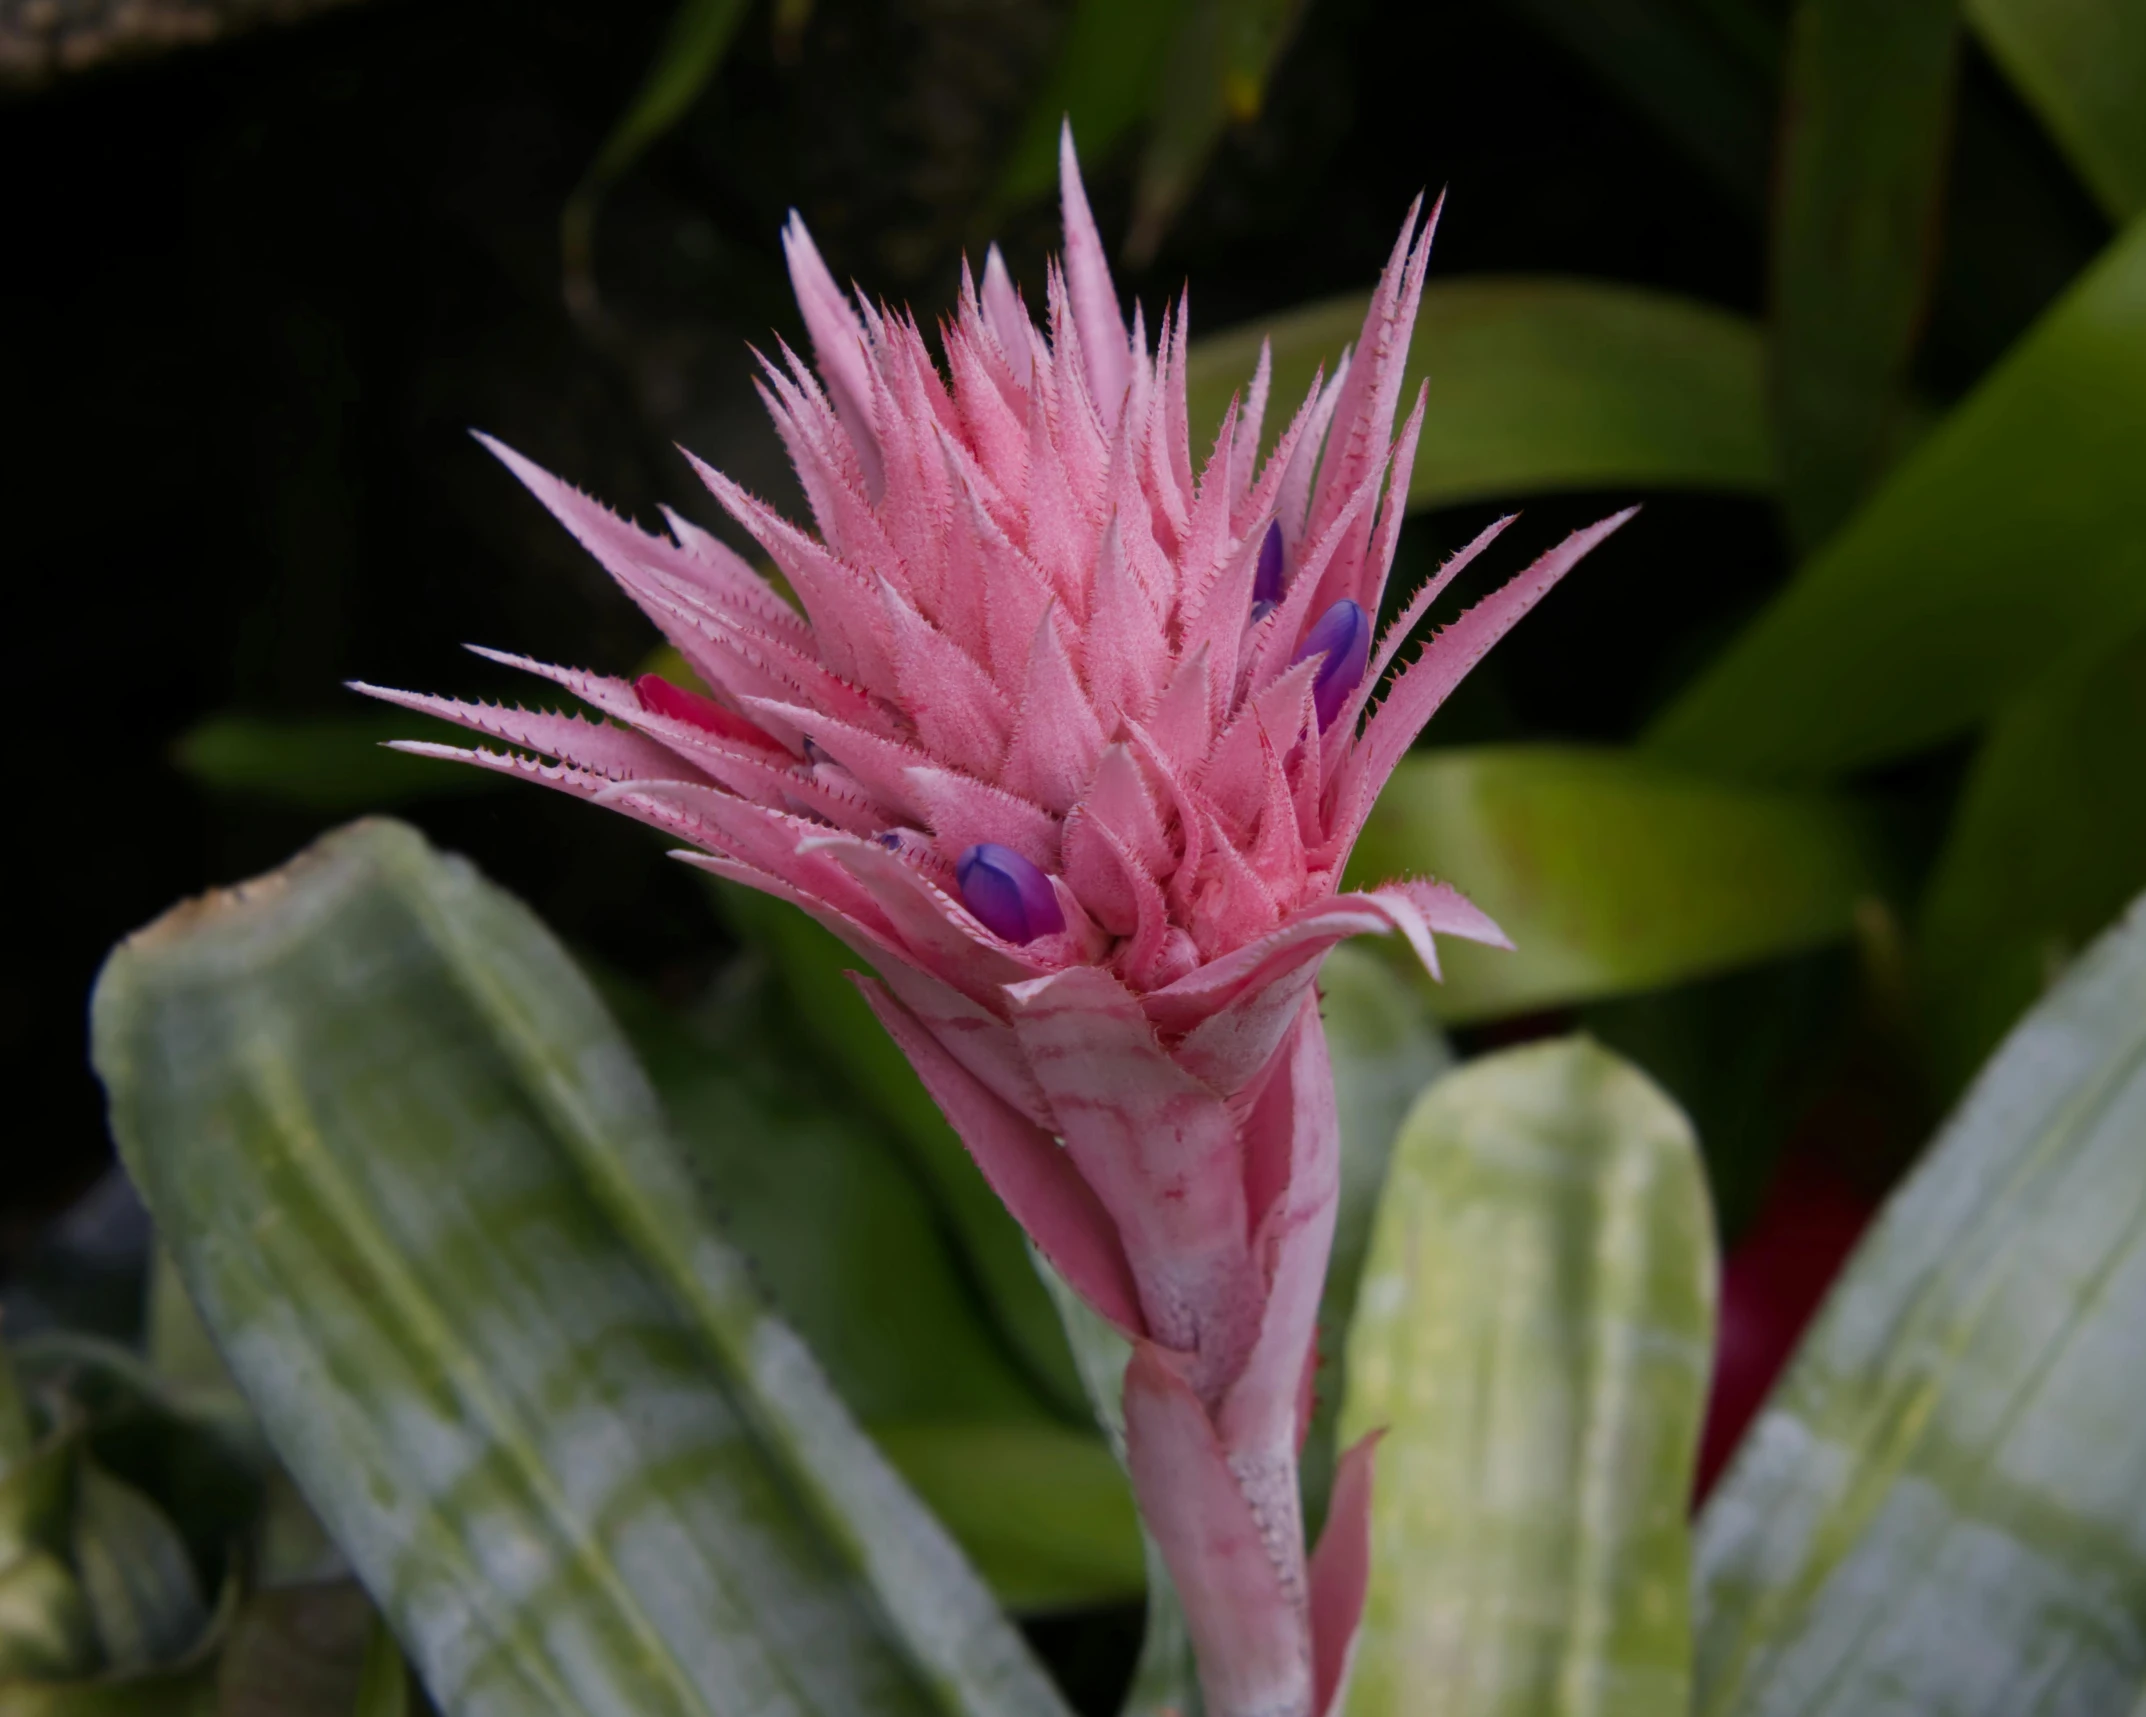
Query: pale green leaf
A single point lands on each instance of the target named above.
(2012, 539)
(1611, 872)
(2047, 844)
(1940, 1510)
(1865, 128)
(2081, 64)
(135, 1572)
(1536, 385)
(1533, 1334)
(426, 1201)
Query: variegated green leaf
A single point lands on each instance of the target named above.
(1611, 872)
(427, 1203)
(1533, 1334)
(1942, 1510)
(1537, 385)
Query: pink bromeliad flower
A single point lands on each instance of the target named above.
(1070, 741)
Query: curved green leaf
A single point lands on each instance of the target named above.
(1533, 1334)
(834, 1017)
(1610, 872)
(1866, 121)
(1940, 1510)
(426, 1201)
(2048, 843)
(2081, 64)
(2013, 538)
(1537, 385)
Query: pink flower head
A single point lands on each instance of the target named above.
(1070, 740)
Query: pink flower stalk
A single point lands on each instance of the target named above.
(1065, 742)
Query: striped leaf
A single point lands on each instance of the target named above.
(1533, 1334)
(426, 1201)
(1943, 1508)
(1537, 385)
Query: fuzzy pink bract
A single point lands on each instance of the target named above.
(1026, 627)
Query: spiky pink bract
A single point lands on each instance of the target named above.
(1128, 689)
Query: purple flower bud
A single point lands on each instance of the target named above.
(1010, 896)
(1267, 581)
(1343, 637)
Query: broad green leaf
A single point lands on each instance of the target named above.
(2013, 538)
(818, 1194)
(1611, 872)
(1702, 70)
(2047, 844)
(838, 1230)
(1108, 64)
(1940, 1510)
(1385, 1050)
(693, 48)
(1165, 1680)
(1537, 385)
(1533, 1335)
(836, 1020)
(426, 1201)
(1042, 1509)
(1866, 122)
(2081, 64)
(333, 765)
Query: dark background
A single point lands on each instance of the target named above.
(254, 296)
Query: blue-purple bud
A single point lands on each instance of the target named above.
(1267, 580)
(1010, 896)
(1343, 637)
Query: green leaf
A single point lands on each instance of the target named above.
(2047, 844)
(383, 1678)
(425, 1200)
(1385, 1050)
(1940, 1509)
(1537, 385)
(1866, 122)
(1103, 78)
(1533, 1334)
(819, 1199)
(333, 765)
(836, 1020)
(1043, 1510)
(1610, 872)
(135, 1572)
(818, 1195)
(2081, 64)
(693, 48)
(2013, 538)
(1702, 70)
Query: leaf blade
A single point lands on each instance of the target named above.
(1960, 1412)
(2081, 64)
(1609, 873)
(1539, 384)
(1534, 1332)
(561, 1471)
(2012, 538)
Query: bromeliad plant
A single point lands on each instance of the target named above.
(1066, 744)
